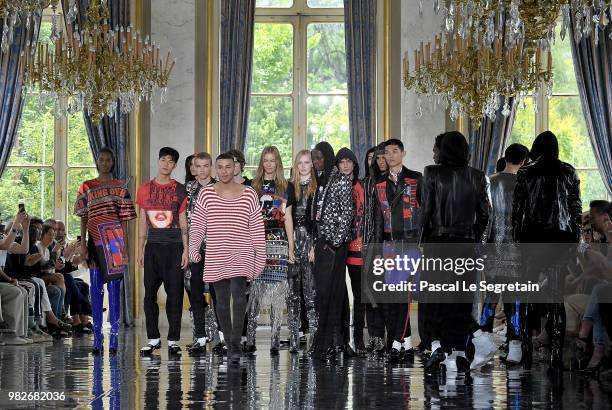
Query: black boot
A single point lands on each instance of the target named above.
(556, 331)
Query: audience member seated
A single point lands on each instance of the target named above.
(14, 299)
(76, 300)
(23, 268)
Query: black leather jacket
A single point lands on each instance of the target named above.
(546, 198)
(456, 203)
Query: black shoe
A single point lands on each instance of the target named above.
(436, 357)
(196, 349)
(274, 351)
(346, 351)
(149, 349)
(220, 349)
(407, 355)
(5, 327)
(556, 360)
(330, 354)
(463, 365)
(174, 350)
(394, 355)
(234, 358)
(249, 349)
(81, 330)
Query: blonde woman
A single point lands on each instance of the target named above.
(300, 277)
(277, 196)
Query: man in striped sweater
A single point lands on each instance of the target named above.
(228, 216)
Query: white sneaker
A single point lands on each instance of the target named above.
(484, 349)
(450, 363)
(515, 352)
(16, 341)
(456, 362)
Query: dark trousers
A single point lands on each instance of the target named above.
(449, 321)
(214, 300)
(397, 321)
(74, 299)
(231, 292)
(162, 265)
(376, 321)
(358, 307)
(329, 272)
(196, 298)
(516, 321)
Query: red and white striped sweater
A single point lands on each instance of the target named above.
(234, 232)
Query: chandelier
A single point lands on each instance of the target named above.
(99, 69)
(524, 20)
(471, 77)
(14, 11)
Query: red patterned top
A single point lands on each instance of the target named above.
(103, 203)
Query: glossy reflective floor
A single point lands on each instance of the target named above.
(286, 381)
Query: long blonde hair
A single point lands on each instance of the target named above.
(295, 175)
(279, 178)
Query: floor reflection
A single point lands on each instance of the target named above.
(285, 381)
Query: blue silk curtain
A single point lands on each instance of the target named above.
(487, 142)
(236, 67)
(360, 37)
(593, 68)
(11, 96)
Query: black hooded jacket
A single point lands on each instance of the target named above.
(369, 187)
(332, 206)
(456, 202)
(547, 196)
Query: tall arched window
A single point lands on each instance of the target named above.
(299, 91)
(51, 157)
(562, 114)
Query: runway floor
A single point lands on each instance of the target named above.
(285, 381)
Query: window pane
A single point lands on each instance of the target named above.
(270, 123)
(79, 150)
(565, 119)
(273, 58)
(564, 80)
(75, 178)
(32, 185)
(34, 142)
(274, 3)
(523, 130)
(328, 121)
(45, 32)
(591, 187)
(326, 58)
(326, 3)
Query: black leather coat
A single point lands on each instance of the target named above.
(546, 199)
(456, 203)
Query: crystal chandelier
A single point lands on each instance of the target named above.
(523, 20)
(13, 12)
(100, 69)
(471, 77)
